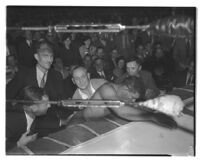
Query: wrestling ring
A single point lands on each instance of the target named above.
(113, 136)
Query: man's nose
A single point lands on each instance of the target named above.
(50, 59)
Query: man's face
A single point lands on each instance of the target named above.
(87, 61)
(28, 35)
(121, 63)
(44, 59)
(140, 49)
(41, 109)
(133, 68)
(67, 42)
(81, 78)
(99, 65)
(87, 42)
(100, 53)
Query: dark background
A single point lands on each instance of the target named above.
(48, 15)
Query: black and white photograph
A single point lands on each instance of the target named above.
(100, 80)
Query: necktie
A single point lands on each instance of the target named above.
(102, 74)
(42, 83)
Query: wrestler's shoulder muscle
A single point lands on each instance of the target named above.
(107, 91)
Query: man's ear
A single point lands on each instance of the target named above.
(36, 56)
(88, 75)
(73, 81)
(140, 67)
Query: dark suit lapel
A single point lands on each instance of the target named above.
(35, 82)
(48, 80)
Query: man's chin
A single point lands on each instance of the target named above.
(82, 88)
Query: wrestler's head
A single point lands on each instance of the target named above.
(129, 90)
(80, 77)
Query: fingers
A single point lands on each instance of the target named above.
(27, 132)
(33, 137)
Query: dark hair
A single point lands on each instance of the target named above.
(134, 84)
(65, 36)
(136, 59)
(31, 93)
(120, 58)
(85, 38)
(44, 45)
(98, 58)
(87, 55)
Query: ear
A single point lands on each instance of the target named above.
(73, 81)
(36, 56)
(32, 108)
(140, 67)
(88, 75)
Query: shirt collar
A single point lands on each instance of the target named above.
(85, 95)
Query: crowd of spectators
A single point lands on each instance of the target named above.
(103, 54)
(44, 59)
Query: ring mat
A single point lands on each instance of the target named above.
(83, 131)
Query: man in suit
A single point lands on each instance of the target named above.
(26, 51)
(41, 75)
(148, 87)
(99, 71)
(30, 120)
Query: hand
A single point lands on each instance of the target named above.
(24, 140)
(149, 94)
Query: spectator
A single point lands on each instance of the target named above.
(26, 51)
(30, 120)
(42, 75)
(87, 62)
(99, 71)
(190, 76)
(120, 69)
(84, 49)
(147, 83)
(68, 55)
(11, 67)
(181, 60)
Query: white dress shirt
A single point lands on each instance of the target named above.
(39, 75)
(29, 121)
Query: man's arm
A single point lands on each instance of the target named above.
(14, 86)
(151, 89)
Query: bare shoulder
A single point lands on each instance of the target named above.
(107, 91)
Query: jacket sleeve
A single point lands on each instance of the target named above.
(49, 123)
(14, 86)
(151, 84)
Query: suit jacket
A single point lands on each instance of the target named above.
(95, 74)
(27, 77)
(16, 125)
(26, 54)
(180, 54)
(148, 81)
